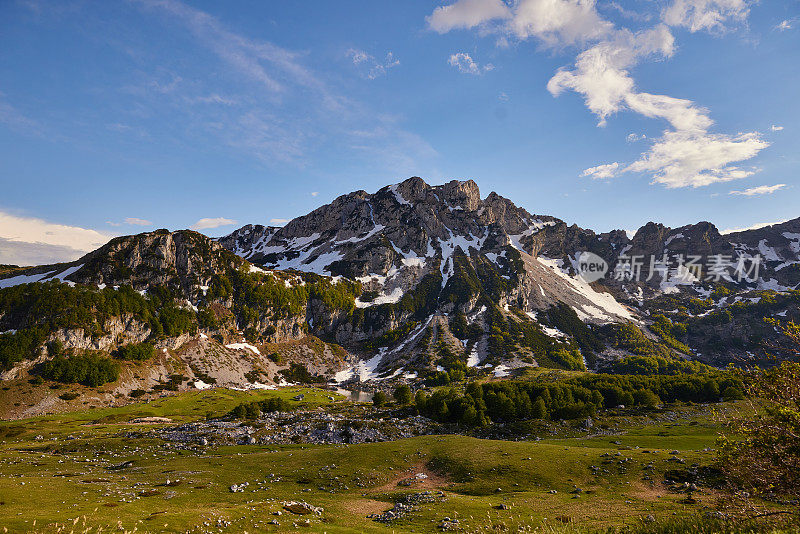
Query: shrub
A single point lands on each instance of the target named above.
(251, 410)
(379, 399)
(135, 352)
(88, 369)
(298, 373)
(402, 394)
(646, 398)
(731, 394)
(570, 360)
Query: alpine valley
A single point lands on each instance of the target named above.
(414, 284)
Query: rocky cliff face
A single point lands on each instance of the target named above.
(185, 261)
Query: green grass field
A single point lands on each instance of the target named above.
(55, 476)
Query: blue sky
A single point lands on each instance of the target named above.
(122, 117)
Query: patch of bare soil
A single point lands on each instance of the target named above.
(646, 492)
(416, 477)
(365, 507)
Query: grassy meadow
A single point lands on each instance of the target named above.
(61, 473)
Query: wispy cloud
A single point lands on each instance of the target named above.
(629, 14)
(396, 148)
(247, 56)
(314, 193)
(283, 110)
(133, 221)
(16, 120)
(212, 99)
(760, 190)
(787, 24)
(464, 63)
(279, 221)
(776, 128)
(211, 222)
(374, 68)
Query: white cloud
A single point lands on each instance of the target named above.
(466, 14)
(278, 221)
(760, 190)
(558, 22)
(633, 137)
(214, 222)
(699, 15)
(375, 68)
(358, 56)
(554, 22)
(135, 221)
(696, 159)
(601, 72)
(776, 128)
(753, 227)
(602, 171)
(26, 254)
(784, 25)
(688, 155)
(211, 99)
(681, 114)
(314, 193)
(628, 14)
(27, 240)
(464, 63)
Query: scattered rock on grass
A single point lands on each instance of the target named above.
(301, 508)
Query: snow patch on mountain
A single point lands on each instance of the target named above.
(398, 196)
(603, 305)
(31, 278)
(450, 245)
(395, 296)
(672, 238)
(242, 346)
(767, 251)
(378, 228)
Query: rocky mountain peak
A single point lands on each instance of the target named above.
(413, 190)
(650, 236)
(461, 194)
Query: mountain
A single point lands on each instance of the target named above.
(413, 282)
(195, 313)
(479, 254)
(393, 239)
